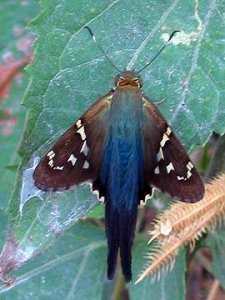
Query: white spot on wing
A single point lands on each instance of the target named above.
(51, 157)
(86, 165)
(73, 159)
(164, 140)
(148, 196)
(156, 171)
(189, 174)
(51, 163)
(102, 199)
(169, 168)
(165, 137)
(168, 131)
(50, 153)
(82, 133)
(160, 155)
(79, 124)
(59, 168)
(84, 148)
(189, 166)
(96, 192)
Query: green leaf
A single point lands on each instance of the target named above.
(98, 212)
(69, 74)
(74, 269)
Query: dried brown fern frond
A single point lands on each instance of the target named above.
(183, 224)
(159, 259)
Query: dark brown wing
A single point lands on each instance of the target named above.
(167, 165)
(76, 156)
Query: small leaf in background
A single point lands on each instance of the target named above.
(7, 122)
(8, 72)
(216, 242)
(15, 53)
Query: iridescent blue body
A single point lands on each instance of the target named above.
(122, 147)
(122, 174)
(122, 161)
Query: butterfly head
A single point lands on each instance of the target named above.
(128, 79)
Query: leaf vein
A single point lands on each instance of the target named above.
(194, 59)
(76, 278)
(151, 34)
(51, 264)
(90, 21)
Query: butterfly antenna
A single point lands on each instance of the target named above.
(163, 47)
(100, 48)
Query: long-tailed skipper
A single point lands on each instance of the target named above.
(123, 148)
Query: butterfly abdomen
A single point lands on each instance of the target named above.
(122, 174)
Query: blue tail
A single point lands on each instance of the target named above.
(127, 232)
(120, 229)
(121, 175)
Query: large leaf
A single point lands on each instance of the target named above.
(70, 73)
(74, 269)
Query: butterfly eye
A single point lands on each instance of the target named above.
(137, 82)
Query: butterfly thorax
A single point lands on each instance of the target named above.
(128, 79)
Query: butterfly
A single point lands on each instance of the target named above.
(123, 148)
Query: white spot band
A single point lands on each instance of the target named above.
(156, 171)
(169, 168)
(73, 159)
(86, 165)
(82, 133)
